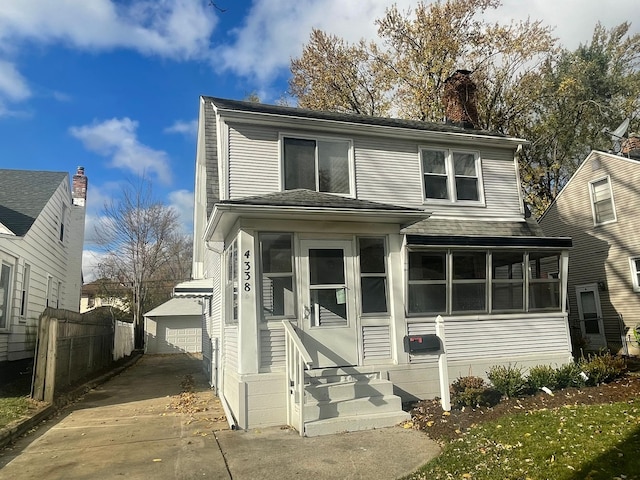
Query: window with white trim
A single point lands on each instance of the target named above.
(231, 284)
(602, 204)
(5, 297)
(451, 175)
(373, 275)
(634, 263)
(322, 165)
(278, 295)
(460, 282)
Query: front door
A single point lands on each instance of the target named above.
(327, 297)
(591, 316)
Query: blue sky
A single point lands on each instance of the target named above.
(114, 85)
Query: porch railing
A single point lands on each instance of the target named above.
(297, 361)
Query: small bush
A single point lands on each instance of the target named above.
(508, 380)
(602, 368)
(471, 392)
(568, 375)
(541, 376)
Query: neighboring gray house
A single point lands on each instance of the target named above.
(41, 237)
(331, 239)
(599, 208)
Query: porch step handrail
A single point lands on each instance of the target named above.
(297, 361)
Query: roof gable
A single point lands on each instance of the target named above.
(23, 195)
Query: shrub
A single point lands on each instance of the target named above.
(541, 376)
(472, 391)
(568, 375)
(508, 380)
(602, 368)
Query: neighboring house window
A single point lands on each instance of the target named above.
(49, 290)
(463, 282)
(276, 253)
(373, 275)
(91, 302)
(231, 289)
(63, 218)
(5, 282)
(322, 165)
(24, 300)
(451, 175)
(602, 201)
(635, 273)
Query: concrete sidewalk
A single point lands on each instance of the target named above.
(137, 425)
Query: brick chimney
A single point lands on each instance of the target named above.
(631, 146)
(460, 100)
(79, 190)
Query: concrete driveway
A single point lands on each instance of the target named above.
(139, 425)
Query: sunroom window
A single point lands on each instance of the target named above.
(321, 165)
(231, 286)
(459, 281)
(373, 275)
(450, 175)
(278, 299)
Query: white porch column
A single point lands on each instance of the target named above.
(443, 368)
(248, 354)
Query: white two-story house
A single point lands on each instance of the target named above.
(336, 242)
(41, 235)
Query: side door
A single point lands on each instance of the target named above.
(591, 324)
(327, 299)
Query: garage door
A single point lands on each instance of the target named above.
(179, 336)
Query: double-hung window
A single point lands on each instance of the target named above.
(373, 275)
(602, 201)
(24, 300)
(451, 175)
(322, 165)
(278, 298)
(635, 273)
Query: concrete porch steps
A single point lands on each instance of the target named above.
(349, 400)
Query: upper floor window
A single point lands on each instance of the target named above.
(63, 219)
(602, 201)
(322, 165)
(26, 278)
(635, 273)
(451, 175)
(278, 299)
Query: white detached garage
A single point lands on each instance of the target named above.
(174, 327)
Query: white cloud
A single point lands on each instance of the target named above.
(189, 129)
(90, 261)
(182, 202)
(117, 139)
(178, 29)
(13, 86)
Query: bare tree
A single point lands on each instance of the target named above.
(138, 235)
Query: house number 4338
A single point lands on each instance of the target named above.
(247, 271)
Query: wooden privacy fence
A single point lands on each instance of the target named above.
(71, 346)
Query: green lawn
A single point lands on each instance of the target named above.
(572, 442)
(12, 408)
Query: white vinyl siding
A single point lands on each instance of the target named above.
(272, 349)
(376, 342)
(230, 352)
(513, 337)
(255, 169)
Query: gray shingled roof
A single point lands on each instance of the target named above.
(439, 227)
(307, 198)
(237, 105)
(23, 195)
